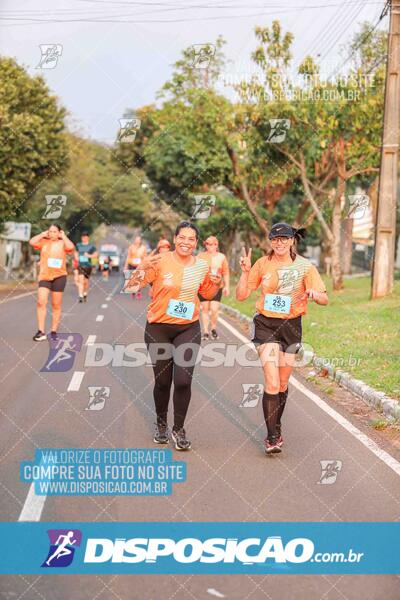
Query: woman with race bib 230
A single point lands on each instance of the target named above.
(287, 281)
(177, 278)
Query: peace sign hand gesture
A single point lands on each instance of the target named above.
(151, 260)
(245, 260)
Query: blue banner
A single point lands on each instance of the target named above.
(200, 548)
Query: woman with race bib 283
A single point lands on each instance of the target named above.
(172, 332)
(288, 281)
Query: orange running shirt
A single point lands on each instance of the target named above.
(52, 259)
(136, 255)
(171, 280)
(216, 262)
(291, 279)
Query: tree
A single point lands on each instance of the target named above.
(32, 138)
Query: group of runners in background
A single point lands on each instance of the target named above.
(187, 287)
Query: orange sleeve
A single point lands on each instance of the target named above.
(225, 267)
(149, 276)
(254, 279)
(314, 281)
(208, 289)
(69, 251)
(39, 244)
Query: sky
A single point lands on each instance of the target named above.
(116, 54)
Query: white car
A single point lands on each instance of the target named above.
(113, 252)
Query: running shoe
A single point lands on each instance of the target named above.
(205, 337)
(39, 336)
(139, 295)
(179, 437)
(161, 435)
(80, 298)
(214, 334)
(53, 336)
(85, 297)
(271, 447)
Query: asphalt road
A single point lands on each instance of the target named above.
(229, 478)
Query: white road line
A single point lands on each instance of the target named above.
(104, 305)
(108, 298)
(16, 297)
(99, 318)
(33, 506)
(76, 381)
(384, 456)
(216, 593)
(91, 340)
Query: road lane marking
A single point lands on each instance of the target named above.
(91, 340)
(99, 318)
(33, 506)
(16, 297)
(216, 593)
(384, 456)
(104, 305)
(76, 381)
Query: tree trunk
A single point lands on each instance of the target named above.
(337, 278)
(347, 245)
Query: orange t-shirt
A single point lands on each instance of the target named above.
(136, 254)
(52, 259)
(217, 263)
(172, 281)
(291, 279)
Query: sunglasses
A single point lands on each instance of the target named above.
(283, 240)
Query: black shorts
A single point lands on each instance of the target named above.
(55, 285)
(85, 271)
(285, 332)
(217, 297)
(132, 267)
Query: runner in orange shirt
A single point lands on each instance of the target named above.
(288, 281)
(136, 253)
(172, 332)
(54, 246)
(218, 265)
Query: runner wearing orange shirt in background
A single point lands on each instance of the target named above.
(173, 322)
(288, 281)
(136, 253)
(54, 246)
(218, 265)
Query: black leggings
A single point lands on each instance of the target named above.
(169, 363)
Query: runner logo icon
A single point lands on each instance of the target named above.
(63, 543)
(252, 392)
(62, 352)
(330, 469)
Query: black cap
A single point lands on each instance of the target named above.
(281, 230)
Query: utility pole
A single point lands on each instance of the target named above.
(385, 231)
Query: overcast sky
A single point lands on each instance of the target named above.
(107, 67)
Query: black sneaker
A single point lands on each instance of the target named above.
(53, 336)
(85, 298)
(39, 336)
(80, 298)
(205, 337)
(161, 435)
(179, 437)
(214, 334)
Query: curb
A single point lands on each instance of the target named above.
(377, 400)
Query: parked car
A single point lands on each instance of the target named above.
(113, 252)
